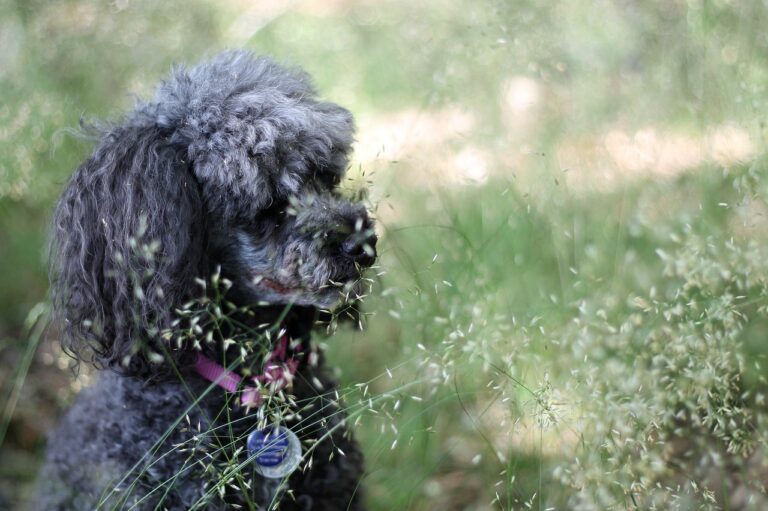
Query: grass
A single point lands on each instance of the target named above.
(558, 360)
(571, 306)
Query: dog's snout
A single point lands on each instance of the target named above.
(361, 247)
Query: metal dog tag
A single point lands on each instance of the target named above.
(276, 451)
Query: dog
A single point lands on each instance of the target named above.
(227, 179)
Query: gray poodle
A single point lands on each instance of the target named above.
(229, 175)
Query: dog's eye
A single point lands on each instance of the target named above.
(276, 208)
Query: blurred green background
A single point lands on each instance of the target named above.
(571, 307)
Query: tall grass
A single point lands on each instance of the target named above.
(571, 309)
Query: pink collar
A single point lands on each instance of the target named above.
(279, 371)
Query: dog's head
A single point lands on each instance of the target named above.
(234, 163)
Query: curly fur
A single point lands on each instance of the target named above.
(232, 165)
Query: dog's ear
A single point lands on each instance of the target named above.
(127, 243)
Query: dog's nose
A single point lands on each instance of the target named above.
(361, 248)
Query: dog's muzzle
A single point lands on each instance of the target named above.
(361, 248)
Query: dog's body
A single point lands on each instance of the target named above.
(233, 166)
(108, 453)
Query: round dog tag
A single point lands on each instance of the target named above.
(276, 451)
